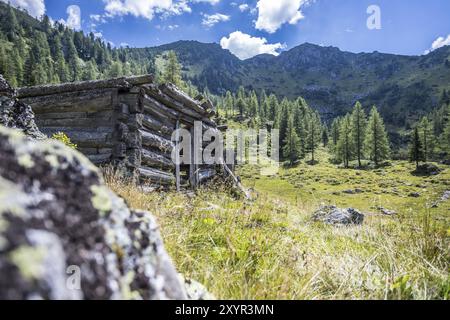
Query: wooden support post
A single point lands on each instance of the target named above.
(177, 156)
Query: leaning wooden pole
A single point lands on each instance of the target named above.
(235, 179)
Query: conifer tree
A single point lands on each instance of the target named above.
(334, 131)
(445, 139)
(427, 138)
(376, 142)
(291, 149)
(416, 153)
(345, 144)
(359, 123)
(253, 105)
(314, 133)
(325, 138)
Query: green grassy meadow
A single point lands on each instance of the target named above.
(270, 248)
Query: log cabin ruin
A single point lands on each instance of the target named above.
(126, 122)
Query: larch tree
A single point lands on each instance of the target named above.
(291, 149)
(345, 144)
(416, 151)
(172, 72)
(314, 133)
(359, 123)
(427, 138)
(376, 141)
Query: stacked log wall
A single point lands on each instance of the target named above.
(127, 122)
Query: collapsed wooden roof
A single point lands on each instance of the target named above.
(199, 108)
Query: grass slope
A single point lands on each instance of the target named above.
(270, 249)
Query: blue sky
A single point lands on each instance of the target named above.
(260, 26)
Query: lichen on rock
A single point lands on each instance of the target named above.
(56, 214)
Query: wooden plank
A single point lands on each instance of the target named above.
(156, 93)
(175, 93)
(100, 158)
(156, 160)
(156, 176)
(153, 140)
(84, 101)
(157, 126)
(46, 90)
(96, 138)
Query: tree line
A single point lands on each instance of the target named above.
(300, 126)
(430, 136)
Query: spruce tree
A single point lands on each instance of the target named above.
(416, 152)
(376, 142)
(172, 72)
(291, 149)
(359, 123)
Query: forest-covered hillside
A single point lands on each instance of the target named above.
(36, 51)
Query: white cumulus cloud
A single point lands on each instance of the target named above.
(245, 46)
(145, 8)
(439, 43)
(273, 14)
(213, 2)
(35, 8)
(244, 7)
(209, 20)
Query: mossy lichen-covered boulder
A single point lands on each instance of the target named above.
(65, 235)
(15, 114)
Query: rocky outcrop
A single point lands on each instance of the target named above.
(15, 114)
(336, 216)
(65, 235)
(427, 169)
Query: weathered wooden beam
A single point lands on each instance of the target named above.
(153, 140)
(82, 101)
(175, 93)
(92, 122)
(156, 176)
(155, 160)
(140, 80)
(45, 90)
(153, 106)
(156, 93)
(157, 126)
(99, 158)
(206, 174)
(97, 138)
(236, 181)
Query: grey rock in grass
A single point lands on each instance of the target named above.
(414, 195)
(337, 216)
(427, 169)
(58, 221)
